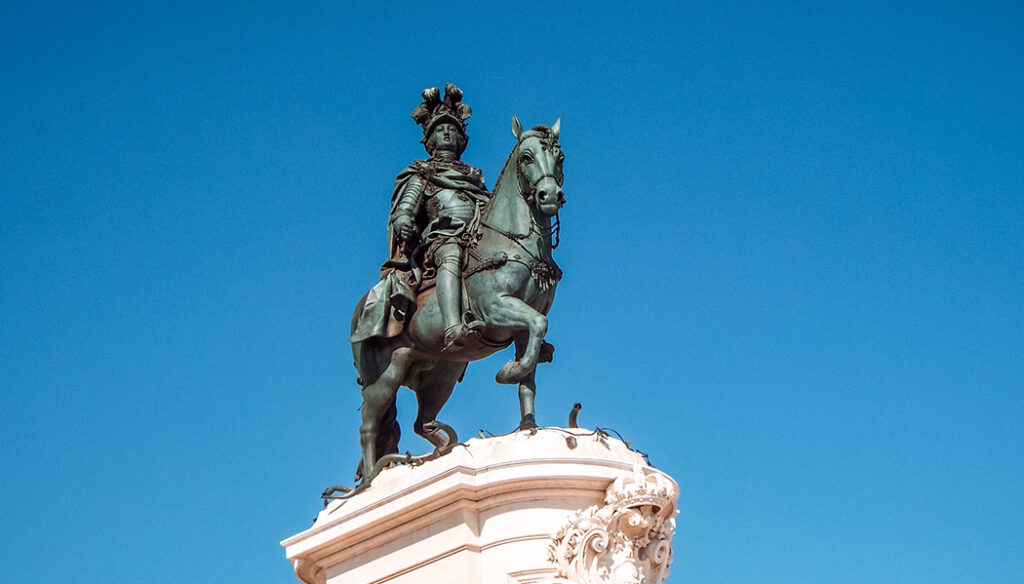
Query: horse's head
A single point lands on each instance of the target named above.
(538, 161)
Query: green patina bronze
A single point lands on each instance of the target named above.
(469, 272)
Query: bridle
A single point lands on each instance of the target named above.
(528, 191)
(528, 188)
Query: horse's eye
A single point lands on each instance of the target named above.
(527, 159)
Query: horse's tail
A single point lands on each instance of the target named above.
(370, 363)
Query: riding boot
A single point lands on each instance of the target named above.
(449, 294)
(448, 301)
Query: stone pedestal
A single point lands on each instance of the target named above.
(551, 506)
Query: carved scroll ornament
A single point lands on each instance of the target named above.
(626, 541)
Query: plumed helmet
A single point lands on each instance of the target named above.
(434, 111)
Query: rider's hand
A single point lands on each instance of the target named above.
(404, 228)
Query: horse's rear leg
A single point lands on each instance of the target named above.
(432, 391)
(514, 313)
(377, 398)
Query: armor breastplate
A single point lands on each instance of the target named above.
(450, 203)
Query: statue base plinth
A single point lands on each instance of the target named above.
(502, 510)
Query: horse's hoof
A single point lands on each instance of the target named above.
(528, 423)
(511, 373)
(547, 352)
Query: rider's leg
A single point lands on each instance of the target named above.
(448, 259)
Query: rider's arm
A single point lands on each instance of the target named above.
(403, 217)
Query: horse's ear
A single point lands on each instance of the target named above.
(555, 129)
(517, 128)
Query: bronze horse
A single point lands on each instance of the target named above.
(510, 279)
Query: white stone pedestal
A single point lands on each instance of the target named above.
(555, 505)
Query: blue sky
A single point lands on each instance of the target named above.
(792, 251)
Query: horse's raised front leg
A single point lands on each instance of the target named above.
(512, 312)
(377, 398)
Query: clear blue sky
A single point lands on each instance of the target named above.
(793, 247)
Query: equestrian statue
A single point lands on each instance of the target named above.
(468, 273)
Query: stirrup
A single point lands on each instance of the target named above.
(454, 336)
(457, 334)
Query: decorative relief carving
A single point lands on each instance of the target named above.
(626, 541)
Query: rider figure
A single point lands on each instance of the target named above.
(436, 206)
